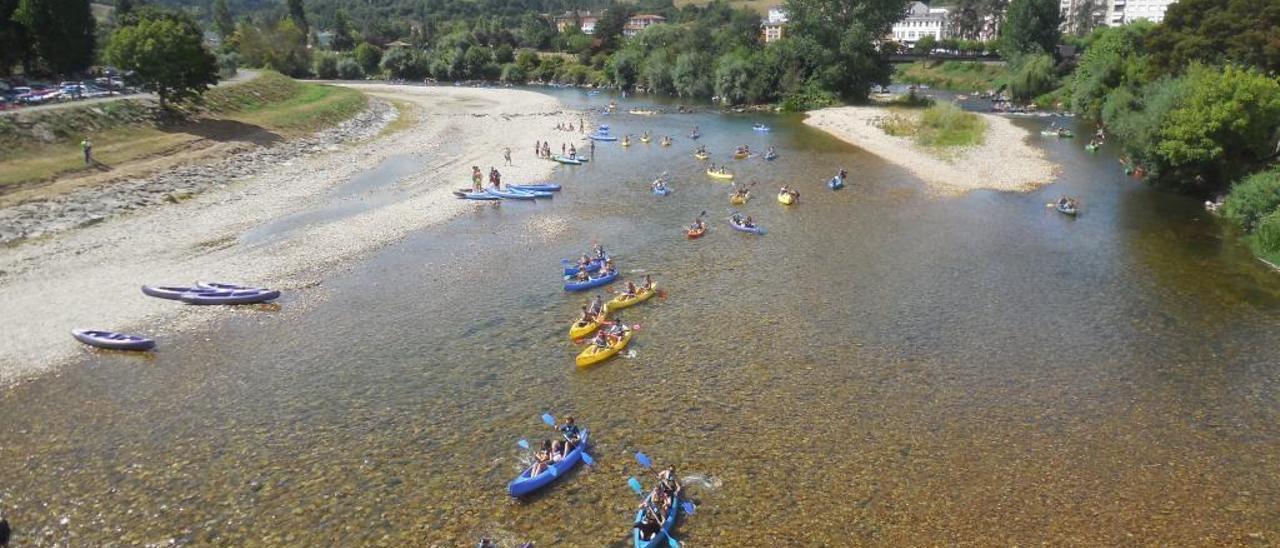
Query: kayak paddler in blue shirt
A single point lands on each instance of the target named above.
(571, 432)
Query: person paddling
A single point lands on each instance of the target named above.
(571, 432)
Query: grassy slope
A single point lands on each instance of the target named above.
(270, 103)
(965, 76)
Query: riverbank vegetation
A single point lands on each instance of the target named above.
(940, 128)
(1194, 104)
(42, 144)
(962, 76)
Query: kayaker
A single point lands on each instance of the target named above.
(587, 316)
(557, 451)
(477, 179)
(630, 291)
(668, 481)
(748, 223)
(573, 152)
(582, 274)
(843, 173)
(597, 305)
(649, 526)
(601, 340)
(571, 432)
(542, 459)
(599, 251)
(648, 282)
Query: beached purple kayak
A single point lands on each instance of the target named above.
(243, 296)
(220, 286)
(172, 292)
(112, 340)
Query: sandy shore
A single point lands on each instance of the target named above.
(89, 277)
(1005, 161)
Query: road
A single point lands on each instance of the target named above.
(241, 76)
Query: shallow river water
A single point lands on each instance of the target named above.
(885, 366)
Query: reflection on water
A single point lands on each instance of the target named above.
(883, 367)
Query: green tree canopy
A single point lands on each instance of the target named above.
(1030, 26)
(62, 32)
(849, 30)
(166, 53)
(222, 18)
(369, 56)
(1217, 31)
(1113, 57)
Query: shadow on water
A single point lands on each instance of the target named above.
(885, 366)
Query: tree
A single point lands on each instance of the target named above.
(62, 32)
(849, 30)
(369, 57)
(166, 54)
(222, 18)
(1217, 31)
(609, 27)
(123, 7)
(1032, 75)
(299, 16)
(925, 45)
(1087, 16)
(1113, 57)
(342, 31)
(325, 65)
(1030, 26)
(15, 47)
(349, 69)
(1253, 198)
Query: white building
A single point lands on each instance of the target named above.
(777, 14)
(1122, 12)
(771, 27)
(920, 21)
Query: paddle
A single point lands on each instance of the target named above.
(550, 420)
(635, 485)
(524, 444)
(644, 461)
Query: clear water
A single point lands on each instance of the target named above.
(885, 366)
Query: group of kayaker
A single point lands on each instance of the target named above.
(657, 506)
(660, 184)
(582, 126)
(477, 179)
(788, 191)
(740, 220)
(742, 151)
(552, 452)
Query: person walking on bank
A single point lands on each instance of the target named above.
(506, 155)
(87, 147)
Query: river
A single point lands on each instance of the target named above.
(885, 366)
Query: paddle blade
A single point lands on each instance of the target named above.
(524, 444)
(591, 461)
(644, 461)
(550, 420)
(635, 485)
(672, 542)
(688, 507)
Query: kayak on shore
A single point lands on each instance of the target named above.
(468, 194)
(111, 340)
(172, 292)
(573, 161)
(244, 296)
(542, 187)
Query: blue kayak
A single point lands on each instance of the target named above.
(475, 195)
(601, 137)
(663, 191)
(173, 292)
(757, 229)
(523, 485)
(510, 194)
(571, 267)
(835, 183)
(771, 156)
(660, 538)
(760, 127)
(112, 340)
(243, 296)
(570, 284)
(567, 160)
(542, 187)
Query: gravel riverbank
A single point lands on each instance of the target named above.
(1004, 161)
(89, 277)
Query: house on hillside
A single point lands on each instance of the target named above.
(771, 26)
(586, 20)
(919, 21)
(639, 22)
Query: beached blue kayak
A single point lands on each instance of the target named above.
(523, 485)
(543, 187)
(757, 229)
(571, 267)
(112, 340)
(536, 193)
(468, 195)
(835, 183)
(601, 137)
(173, 292)
(660, 538)
(570, 284)
(567, 160)
(510, 194)
(244, 296)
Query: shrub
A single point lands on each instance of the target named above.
(325, 65)
(809, 97)
(945, 125)
(349, 69)
(1267, 235)
(1253, 199)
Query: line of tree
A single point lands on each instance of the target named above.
(46, 36)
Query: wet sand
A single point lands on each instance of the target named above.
(1004, 161)
(90, 277)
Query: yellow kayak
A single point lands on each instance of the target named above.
(593, 354)
(786, 198)
(718, 175)
(739, 199)
(644, 139)
(626, 143)
(740, 155)
(623, 301)
(578, 330)
(701, 156)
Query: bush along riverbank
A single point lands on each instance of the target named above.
(40, 146)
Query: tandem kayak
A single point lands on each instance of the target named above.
(243, 296)
(757, 229)
(571, 267)
(112, 340)
(739, 199)
(524, 484)
(542, 187)
(578, 330)
(786, 198)
(835, 183)
(660, 538)
(623, 301)
(701, 156)
(570, 284)
(172, 292)
(662, 191)
(509, 194)
(718, 175)
(567, 160)
(741, 155)
(593, 354)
